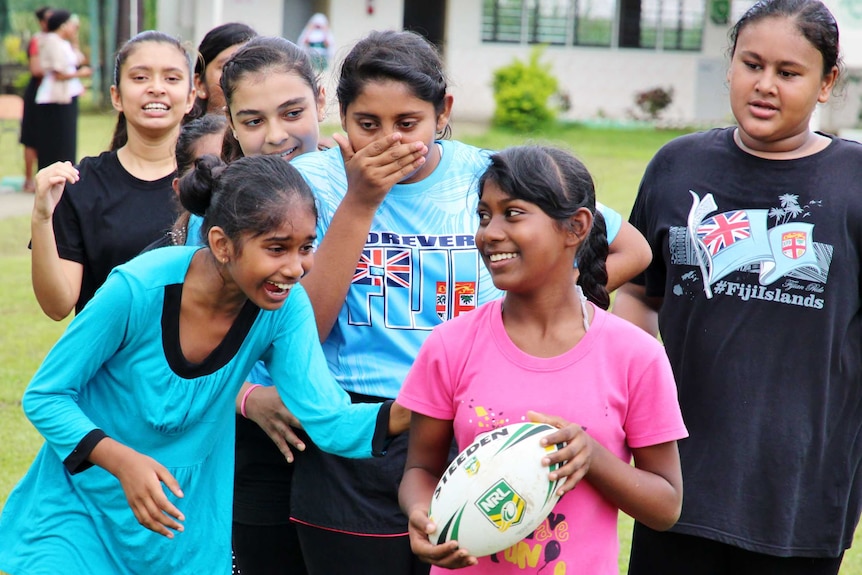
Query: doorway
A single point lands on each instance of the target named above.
(428, 18)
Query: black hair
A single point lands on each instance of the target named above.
(42, 12)
(251, 195)
(214, 42)
(812, 18)
(220, 38)
(57, 18)
(263, 54)
(560, 185)
(193, 131)
(404, 57)
(190, 134)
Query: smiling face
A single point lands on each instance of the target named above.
(524, 248)
(776, 80)
(266, 267)
(384, 107)
(276, 113)
(154, 91)
(209, 86)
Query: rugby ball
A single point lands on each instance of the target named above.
(496, 491)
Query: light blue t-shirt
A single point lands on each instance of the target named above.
(419, 267)
(193, 231)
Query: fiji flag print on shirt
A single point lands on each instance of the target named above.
(415, 287)
(378, 265)
(730, 240)
(723, 230)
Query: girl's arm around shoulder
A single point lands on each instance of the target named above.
(628, 255)
(650, 492)
(427, 455)
(632, 304)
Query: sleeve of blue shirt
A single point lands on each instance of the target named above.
(613, 221)
(259, 375)
(93, 336)
(298, 367)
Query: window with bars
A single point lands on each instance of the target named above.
(652, 24)
(556, 22)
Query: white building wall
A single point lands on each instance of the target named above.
(845, 105)
(192, 19)
(600, 81)
(350, 20)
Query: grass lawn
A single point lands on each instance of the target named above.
(616, 159)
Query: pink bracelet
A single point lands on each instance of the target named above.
(245, 395)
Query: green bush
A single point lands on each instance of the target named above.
(521, 94)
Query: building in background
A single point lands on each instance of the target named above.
(603, 52)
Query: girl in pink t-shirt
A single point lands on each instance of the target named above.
(544, 349)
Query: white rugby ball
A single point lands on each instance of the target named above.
(496, 491)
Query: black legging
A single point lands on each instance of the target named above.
(334, 553)
(267, 550)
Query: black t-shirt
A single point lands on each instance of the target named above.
(767, 352)
(108, 217)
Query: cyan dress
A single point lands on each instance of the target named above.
(118, 370)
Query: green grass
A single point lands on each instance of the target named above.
(25, 337)
(26, 334)
(94, 136)
(616, 159)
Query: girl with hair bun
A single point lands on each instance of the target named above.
(136, 473)
(274, 105)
